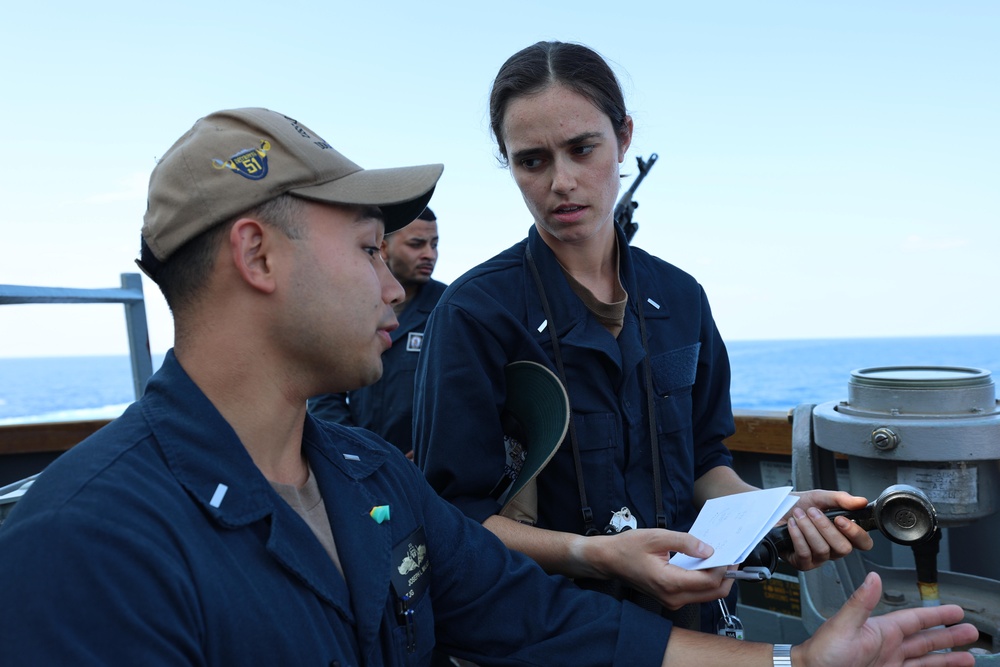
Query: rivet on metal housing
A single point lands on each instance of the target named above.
(884, 439)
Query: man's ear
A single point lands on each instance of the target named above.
(249, 247)
(384, 250)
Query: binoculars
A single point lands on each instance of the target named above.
(903, 513)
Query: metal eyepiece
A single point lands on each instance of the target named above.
(904, 514)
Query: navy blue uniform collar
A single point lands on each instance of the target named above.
(571, 309)
(574, 326)
(208, 459)
(202, 449)
(201, 468)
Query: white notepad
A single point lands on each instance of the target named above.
(735, 524)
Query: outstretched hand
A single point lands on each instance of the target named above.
(904, 637)
(815, 538)
(641, 557)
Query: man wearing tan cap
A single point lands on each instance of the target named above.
(216, 523)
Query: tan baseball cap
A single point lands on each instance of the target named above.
(233, 160)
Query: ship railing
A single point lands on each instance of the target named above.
(27, 448)
(129, 294)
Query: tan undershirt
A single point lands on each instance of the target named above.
(610, 315)
(308, 504)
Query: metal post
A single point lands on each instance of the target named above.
(138, 333)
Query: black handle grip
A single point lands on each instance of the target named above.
(902, 513)
(782, 541)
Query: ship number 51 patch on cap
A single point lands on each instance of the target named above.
(250, 163)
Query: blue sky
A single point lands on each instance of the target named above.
(827, 169)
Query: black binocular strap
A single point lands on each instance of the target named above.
(588, 514)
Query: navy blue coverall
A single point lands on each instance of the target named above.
(493, 315)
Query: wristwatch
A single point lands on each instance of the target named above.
(782, 655)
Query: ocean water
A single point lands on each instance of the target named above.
(779, 375)
(65, 388)
(767, 375)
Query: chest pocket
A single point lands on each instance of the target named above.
(395, 391)
(599, 437)
(412, 638)
(674, 374)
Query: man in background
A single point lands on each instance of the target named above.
(386, 407)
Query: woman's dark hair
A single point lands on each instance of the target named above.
(540, 65)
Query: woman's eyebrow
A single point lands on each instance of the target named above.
(572, 141)
(584, 137)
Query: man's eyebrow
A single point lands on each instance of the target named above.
(370, 212)
(572, 141)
